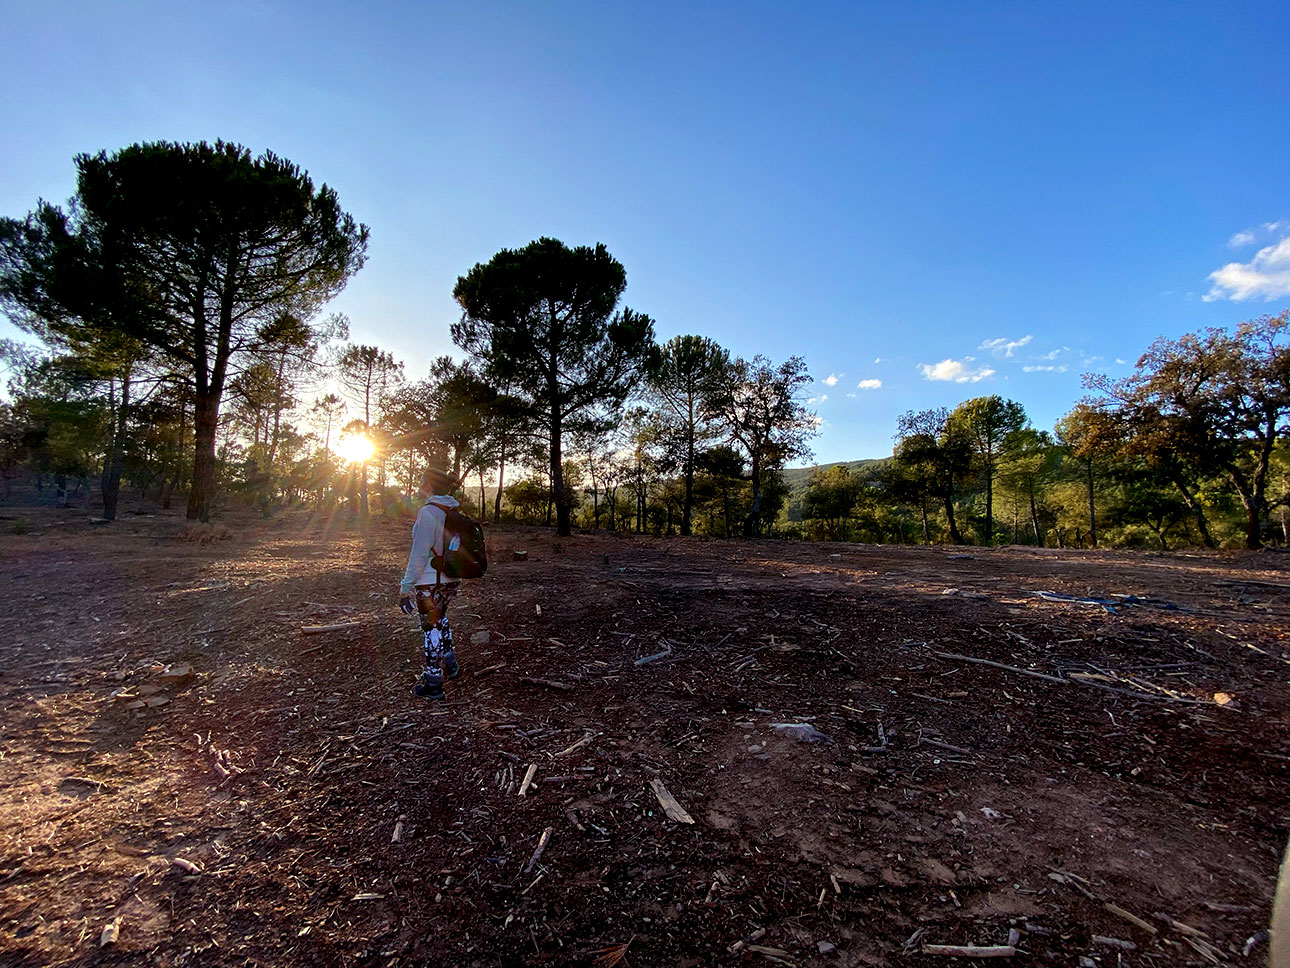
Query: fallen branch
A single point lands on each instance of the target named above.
(339, 627)
(999, 665)
(970, 950)
(549, 683)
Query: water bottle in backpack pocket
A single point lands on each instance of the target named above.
(464, 554)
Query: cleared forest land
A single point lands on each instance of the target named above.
(180, 762)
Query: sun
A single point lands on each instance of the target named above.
(355, 448)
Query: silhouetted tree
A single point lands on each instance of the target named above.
(544, 323)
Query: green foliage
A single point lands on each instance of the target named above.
(987, 424)
(761, 407)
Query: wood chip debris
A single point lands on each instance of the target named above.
(111, 931)
(670, 807)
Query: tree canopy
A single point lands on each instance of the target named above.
(192, 249)
(544, 323)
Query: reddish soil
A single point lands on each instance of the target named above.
(948, 803)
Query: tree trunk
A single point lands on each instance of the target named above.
(111, 484)
(1092, 509)
(1197, 509)
(1034, 517)
(927, 531)
(752, 521)
(989, 507)
(497, 502)
(205, 425)
(689, 478)
(956, 537)
(1253, 523)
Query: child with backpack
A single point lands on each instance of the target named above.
(446, 547)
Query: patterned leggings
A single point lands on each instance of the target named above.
(432, 603)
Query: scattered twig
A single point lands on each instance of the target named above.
(578, 745)
(924, 741)
(643, 660)
(537, 851)
(528, 779)
(1133, 919)
(999, 665)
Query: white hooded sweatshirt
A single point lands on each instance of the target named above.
(427, 541)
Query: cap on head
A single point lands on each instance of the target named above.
(436, 480)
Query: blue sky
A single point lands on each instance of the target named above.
(927, 202)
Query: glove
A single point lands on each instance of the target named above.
(408, 604)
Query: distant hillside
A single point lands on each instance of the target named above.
(797, 477)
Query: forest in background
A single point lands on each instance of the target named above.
(183, 353)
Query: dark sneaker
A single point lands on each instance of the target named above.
(428, 688)
(450, 667)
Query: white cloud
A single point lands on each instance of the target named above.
(869, 385)
(1120, 362)
(1044, 369)
(1002, 347)
(955, 371)
(877, 359)
(1267, 275)
(1049, 357)
(852, 396)
(1259, 233)
(832, 379)
(820, 399)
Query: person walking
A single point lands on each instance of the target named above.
(425, 590)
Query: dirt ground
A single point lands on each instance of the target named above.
(289, 802)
